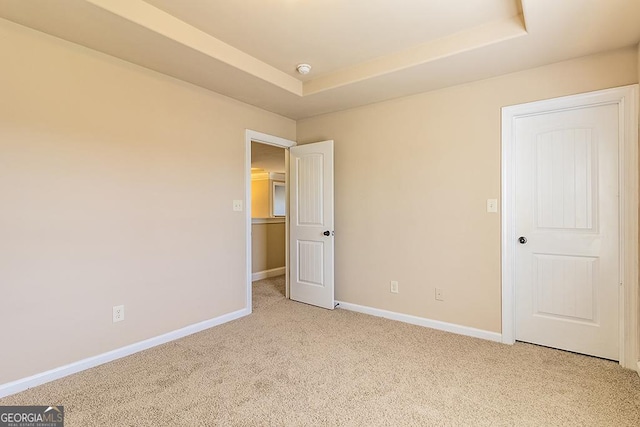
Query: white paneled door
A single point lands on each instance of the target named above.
(311, 246)
(567, 222)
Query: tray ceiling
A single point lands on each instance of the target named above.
(361, 51)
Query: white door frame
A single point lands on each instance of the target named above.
(626, 98)
(263, 138)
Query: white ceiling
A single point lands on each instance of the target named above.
(332, 34)
(362, 51)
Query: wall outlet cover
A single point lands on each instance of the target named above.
(118, 313)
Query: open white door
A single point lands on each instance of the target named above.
(311, 245)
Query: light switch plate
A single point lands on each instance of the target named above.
(492, 205)
(237, 205)
(394, 287)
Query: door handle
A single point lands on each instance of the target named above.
(327, 233)
(522, 240)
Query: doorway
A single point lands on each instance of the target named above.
(268, 211)
(266, 163)
(570, 224)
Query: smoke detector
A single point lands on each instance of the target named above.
(303, 68)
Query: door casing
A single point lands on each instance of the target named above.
(626, 98)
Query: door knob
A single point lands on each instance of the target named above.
(522, 240)
(327, 233)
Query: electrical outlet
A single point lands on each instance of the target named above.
(118, 313)
(439, 294)
(237, 205)
(394, 287)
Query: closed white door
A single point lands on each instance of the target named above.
(567, 225)
(311, 244)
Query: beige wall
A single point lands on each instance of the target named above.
(267, 247)
(412, 177)
(258, 247)
(116, 187)
(260, 198)
(276, 245)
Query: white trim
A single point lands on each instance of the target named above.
(629, 319)
(626, 98)
(276, 220)
(422, 321)
(263, 176)
(287, 258)
(265, 138)
(90, 362)
(260, 176)
(253, 136)
(265, 274)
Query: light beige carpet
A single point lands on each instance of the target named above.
(289, 364)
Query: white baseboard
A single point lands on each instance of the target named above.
(421, 321)
(268, 273)
(56, 373)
